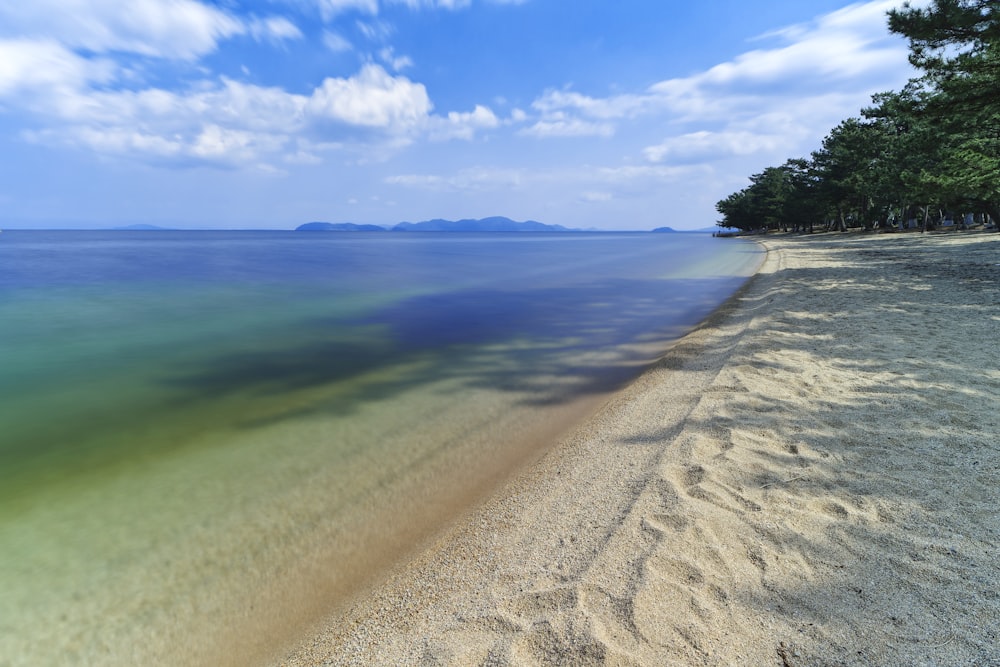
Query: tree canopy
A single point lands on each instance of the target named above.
(915, 156)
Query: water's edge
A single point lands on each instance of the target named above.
(551, 430)
(272, 492)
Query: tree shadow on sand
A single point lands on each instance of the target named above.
(863, 498)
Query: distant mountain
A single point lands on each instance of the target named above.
(140, 228)
(671, 230)
(337, 227)
(494, 224)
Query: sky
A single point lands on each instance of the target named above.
(265, 114)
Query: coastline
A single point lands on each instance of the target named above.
(805, 479)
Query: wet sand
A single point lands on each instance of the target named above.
(809, 478)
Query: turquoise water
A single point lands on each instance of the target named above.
(208, 438)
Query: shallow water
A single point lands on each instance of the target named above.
(210, 437)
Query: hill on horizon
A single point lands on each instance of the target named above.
(338, 227)
(491, 224)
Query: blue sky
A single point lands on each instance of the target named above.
(629, 114)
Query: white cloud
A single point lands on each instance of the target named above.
(182, 29)
(846, 50)
(170, 29)
(228, 124)
(44, 66)
(564, 113)
(562, 125)
(329, 9)
(373, 98)
(215, 143)
(123, 141)
(433, 4)
(225, 122)
(602, 183)
(474, 179)
(336, 42)
(632, 175)
(419, 181)
(237, 123)
(231, 104)
(842, 57)
(705, 145)
(374, 30)
(463, 125)
(396, 63)
(304, 157)
(274, 29)
(609, 108)
(762, 102)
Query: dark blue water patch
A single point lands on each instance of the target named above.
(172, 332)
(555, 328)
(545, 331)
(606, 313)
(221, 408)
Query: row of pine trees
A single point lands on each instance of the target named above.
(924, 156)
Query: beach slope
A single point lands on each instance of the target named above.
(809, 478)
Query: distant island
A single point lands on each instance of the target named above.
(337, 227)
(492, 224)
(700, 230)
(141, 228)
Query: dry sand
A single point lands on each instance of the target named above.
(810, 478)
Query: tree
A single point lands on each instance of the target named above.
(802, 207)
(848, 167)
(736, 212)
(957, 44)
(930, 148)
(777, 198)
(912, 144)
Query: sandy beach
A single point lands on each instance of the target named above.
(809, 478)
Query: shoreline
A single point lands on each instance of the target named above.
(804, 479)
(268, 448)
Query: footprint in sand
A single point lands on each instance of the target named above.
(836, 510)
(666, 522)
(694, 475)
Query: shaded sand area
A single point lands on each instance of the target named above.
(810, 478)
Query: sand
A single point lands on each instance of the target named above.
(810, 478)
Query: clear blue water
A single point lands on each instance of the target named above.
(216, 435)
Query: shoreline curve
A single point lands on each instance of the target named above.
(805, 478)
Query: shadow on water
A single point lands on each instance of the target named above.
(587, 336)
(543, 346)
(548, 345)
(590, 336)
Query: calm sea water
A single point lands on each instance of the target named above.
(208, 438)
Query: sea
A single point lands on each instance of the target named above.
(211, 439)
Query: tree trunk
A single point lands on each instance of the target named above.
(993, 210)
